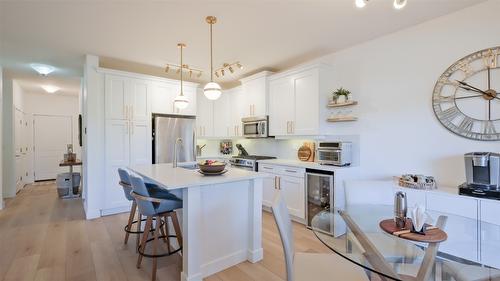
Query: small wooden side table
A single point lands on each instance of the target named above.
(70, 164)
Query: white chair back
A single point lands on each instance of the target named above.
(282, 218)
(369, 192)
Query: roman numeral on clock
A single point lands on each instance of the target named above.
(489, 128)
(449, 114)
(491, 59)
(466, 124)
(442, 99)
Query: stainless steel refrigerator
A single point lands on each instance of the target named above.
(166, 130)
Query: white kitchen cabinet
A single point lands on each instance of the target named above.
(255, 89)
(298, 99)
(223, 125)
(164, 94)
(238, 110)
(116, 89)
(139, 103)
(290, 182)
(127, 132)
(489, 231)
(462, 228)
(293, 191)
(269, 187)
(281, 107)
(204, 118)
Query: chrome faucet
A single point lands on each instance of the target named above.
(178, 142)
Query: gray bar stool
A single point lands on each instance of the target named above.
(155, 203)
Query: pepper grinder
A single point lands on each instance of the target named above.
(400, 209)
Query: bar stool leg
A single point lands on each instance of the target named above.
(155, 247)
(139, 227)
(162, 229)
(177, 227)
(165, 217)
(130, 220)
(145, 235)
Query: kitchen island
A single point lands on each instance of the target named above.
(221, 216)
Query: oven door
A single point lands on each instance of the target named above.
(256, 129)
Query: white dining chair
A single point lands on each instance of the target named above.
(310, 266)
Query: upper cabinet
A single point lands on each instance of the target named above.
(297, 100)
(127, 98)
(255, 98)
(164, 94)
(205, 118)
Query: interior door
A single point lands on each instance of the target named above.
(52, 134)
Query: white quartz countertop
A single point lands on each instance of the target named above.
(302, 164)
(175, 178)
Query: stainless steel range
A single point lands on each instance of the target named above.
(248, 162)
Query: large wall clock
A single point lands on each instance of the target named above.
(466, 98)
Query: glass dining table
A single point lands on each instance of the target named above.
(354, 233)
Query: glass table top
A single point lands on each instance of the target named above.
(471, 251)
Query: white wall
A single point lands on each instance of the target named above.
(393, 78)
(1, 134)
(8, 172)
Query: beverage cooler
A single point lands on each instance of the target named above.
(319, 196)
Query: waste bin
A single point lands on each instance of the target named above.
(63, 183)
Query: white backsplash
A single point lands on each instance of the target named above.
(280, 148)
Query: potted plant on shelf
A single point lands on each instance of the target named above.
(341, 95)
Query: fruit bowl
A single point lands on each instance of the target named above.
(212, 166)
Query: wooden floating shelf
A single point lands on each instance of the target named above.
(342, 119)
(349, 103)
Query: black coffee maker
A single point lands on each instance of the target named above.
(482, 172)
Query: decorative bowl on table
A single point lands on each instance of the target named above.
(212, 167)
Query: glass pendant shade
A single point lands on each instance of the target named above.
(181, 101)
(212, 91)
(399, 4)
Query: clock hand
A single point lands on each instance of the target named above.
(468, 97)
(472, 87)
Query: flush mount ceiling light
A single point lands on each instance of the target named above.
(399, 4)
(42, 69)
(361, 3)
(181, 100)
(211, 90)
(50, 89)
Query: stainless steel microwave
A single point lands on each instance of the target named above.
(334, 153)
(255, 127)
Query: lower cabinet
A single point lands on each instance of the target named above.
(489, 231)
(462, 228)
(292, 188)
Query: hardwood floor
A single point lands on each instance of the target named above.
(45, 238)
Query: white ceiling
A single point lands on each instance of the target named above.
(261, 34)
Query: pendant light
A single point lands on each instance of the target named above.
(181, 101)
(211, 90)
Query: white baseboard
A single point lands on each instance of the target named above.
(1, 204)
(114, 211)
(224, 262)
(196, 277)
(255, 255)
(92, 214)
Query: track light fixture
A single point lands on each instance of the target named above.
(184, 68)
(231, 67)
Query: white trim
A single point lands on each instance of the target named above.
(256, 76)
(223, 263)
(92, 214)
(299, 69)
(254, 256)
(196, 277)
(114, 211)
(143, 76)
